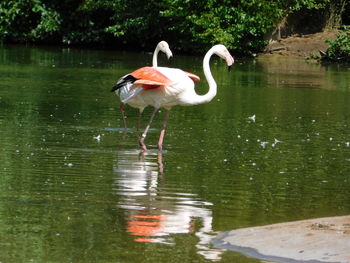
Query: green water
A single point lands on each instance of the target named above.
(273, 146)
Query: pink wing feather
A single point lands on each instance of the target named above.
(192, 76)
(150, 78)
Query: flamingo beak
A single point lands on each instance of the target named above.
(169, 54)
(229, 60)
(170, 59)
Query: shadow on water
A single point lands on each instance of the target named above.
(155, 212)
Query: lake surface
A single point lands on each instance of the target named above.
(273, 146)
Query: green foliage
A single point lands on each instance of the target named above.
(27, 20)
(309, 4)
(339, 49)
(189, 25)
(240, 25)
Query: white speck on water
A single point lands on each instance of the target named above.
(252, 118)
(225, 160)
(97, 138)
(313, 121)
(70, 164)
(263, 144)
(254, 164)
(275, 142)
(17, 151)
(347, 144)
(238, 136)
(331, 139)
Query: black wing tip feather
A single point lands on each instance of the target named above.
(123, 81)
(114, 88)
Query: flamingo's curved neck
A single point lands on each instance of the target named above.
(211, 82)
(155, 56)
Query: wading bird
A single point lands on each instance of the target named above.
(167, 87)
(123, 92)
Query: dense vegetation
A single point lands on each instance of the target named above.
(190, 25)
(339, 49)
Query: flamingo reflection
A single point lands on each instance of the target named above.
(156, 213)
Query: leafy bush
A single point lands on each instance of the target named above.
(30, 20)
(189, 25)
(339, 49)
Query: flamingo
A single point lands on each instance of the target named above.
(124, 91)
(166, 87)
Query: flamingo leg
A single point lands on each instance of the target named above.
(160, 162)
(121, 107)
(138, 121)
(144, 134)
(162, 132)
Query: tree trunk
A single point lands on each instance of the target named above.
(334, 13)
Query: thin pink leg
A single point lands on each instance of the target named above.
(162, 132)
(160, 162)
(144, 134)
(121, 107)
(138, 121)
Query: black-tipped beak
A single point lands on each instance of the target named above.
(229, 68)
(170, 59)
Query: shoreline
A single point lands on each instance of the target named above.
(301, 45)
(313, 241)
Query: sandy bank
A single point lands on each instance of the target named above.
(312, 241)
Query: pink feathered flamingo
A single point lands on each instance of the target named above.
(166, 87)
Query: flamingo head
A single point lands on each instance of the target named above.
(222, 52)
(164, 47)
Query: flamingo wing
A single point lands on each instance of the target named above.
(151, 76)
(146, 77)
(149, 84)
(192, 76)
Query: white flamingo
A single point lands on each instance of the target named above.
(123, 92)
(167, 87)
